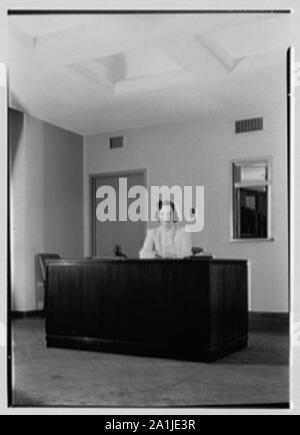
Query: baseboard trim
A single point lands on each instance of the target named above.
(267, 315)
(255, 317)
(269, 321)
(27, 314)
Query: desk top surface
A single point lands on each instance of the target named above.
(163, 261)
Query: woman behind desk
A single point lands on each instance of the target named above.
(169, 240)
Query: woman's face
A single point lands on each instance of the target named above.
(166, 214)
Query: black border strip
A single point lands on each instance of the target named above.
(289, 181)
(289, 70)
(9, 271)
(144, 11)
(249, 406)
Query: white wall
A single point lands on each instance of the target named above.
(46, 200)
(63, 191)
(198, 153)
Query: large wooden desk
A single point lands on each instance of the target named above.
(187, 309)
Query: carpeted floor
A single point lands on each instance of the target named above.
(50, 377)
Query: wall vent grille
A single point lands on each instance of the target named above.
(248, 125)
(116, 142)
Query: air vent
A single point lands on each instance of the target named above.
(116, 142)
(247, 125)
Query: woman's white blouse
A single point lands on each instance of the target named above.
(167, 243)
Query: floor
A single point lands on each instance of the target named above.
(258, 376)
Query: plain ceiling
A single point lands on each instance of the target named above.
(107, 73)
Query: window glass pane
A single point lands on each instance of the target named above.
(251, 194)
(251, 212)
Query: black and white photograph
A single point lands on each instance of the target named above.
(149, 209)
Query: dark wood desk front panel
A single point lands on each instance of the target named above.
(174, 308)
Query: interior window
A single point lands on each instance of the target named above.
(251, 199)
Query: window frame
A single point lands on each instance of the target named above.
(248, 161)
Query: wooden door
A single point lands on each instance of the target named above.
(106, 235)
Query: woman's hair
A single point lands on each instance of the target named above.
(171, 204)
